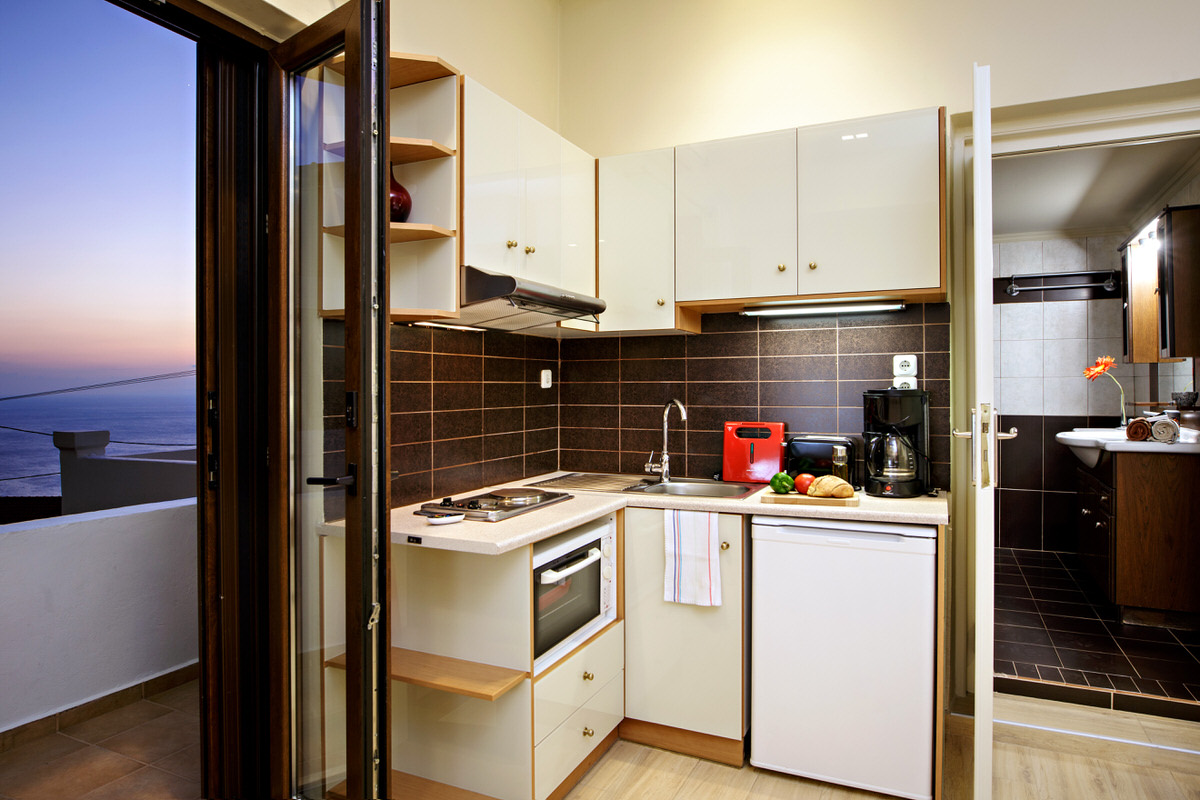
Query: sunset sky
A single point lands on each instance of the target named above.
(97, 196)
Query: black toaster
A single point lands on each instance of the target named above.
(813, 453)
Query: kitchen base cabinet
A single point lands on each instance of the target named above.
(685, 666)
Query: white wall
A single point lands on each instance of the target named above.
(638, 74)
(94, 603)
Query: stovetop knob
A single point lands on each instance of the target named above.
(447, 501)
(474, 504)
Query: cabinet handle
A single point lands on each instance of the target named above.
(529, 250)
(1103, 498)
(724, 545)
(511, 244)
(1085, 512)
(588, 676)
(782, 267)
(588, 732)
(661, 302)
(812, 265)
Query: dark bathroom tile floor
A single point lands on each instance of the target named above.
(1052, 625)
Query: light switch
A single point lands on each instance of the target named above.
(547, 379)
(904, 365)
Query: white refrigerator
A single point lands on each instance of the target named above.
(842, 652)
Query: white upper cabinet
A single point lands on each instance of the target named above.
(493, 218)
(870, 204)
(637, 240)
(528, 196)
(540, 161)
(578, 234)
(735, 217)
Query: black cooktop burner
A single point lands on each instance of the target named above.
(495, 505)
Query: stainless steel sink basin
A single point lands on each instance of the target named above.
(692, 487)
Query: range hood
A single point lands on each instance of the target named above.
(507, 303)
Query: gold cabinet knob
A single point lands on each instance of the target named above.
(782, 267)
(529, 250)
(724, 545)
(588, 676)
(661, 301)
(812, 265)
(588, 732)
(511, 244)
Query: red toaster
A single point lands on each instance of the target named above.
(753, 451)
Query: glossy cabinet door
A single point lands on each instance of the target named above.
(735, 216)
(492, 186)
(578, 233)
(870, 204)
(637, 240)
(540, 161)
(684, 664)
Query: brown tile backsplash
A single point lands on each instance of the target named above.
(808, 373)
(467, 408)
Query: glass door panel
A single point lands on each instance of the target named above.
(337, 264)
(319, 425)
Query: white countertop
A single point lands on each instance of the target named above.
(493, 538)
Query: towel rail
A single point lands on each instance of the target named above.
(1109, 284)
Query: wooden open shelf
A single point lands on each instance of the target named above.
(405, 69)
(469, 678)
(399, 232)
(411, 787)
(402, 150)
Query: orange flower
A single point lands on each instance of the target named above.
(1103, 365)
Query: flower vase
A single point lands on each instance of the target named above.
(401, 202)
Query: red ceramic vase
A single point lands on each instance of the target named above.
(401, 202)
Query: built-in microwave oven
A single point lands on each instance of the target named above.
(574, 589)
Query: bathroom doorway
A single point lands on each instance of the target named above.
(1066, 198)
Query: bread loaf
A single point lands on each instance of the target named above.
(830, 486)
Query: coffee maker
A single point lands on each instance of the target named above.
(896, 442)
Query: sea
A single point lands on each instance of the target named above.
(29, 460)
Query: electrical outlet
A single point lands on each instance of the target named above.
(547, 379)
(904, 365)
(904, 382)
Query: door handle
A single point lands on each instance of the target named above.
(1012, 434)
(349, 480)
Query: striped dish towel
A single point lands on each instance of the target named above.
(693, 570)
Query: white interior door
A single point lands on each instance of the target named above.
(983, 428)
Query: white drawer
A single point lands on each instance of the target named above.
(558, 693)
(569, 744)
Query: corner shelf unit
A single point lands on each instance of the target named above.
(454, 675)
(425, 105)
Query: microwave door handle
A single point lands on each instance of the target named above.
(554, 576)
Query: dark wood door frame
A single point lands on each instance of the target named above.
(351, 27)
(241, 754)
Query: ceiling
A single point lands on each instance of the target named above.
(1092, 189)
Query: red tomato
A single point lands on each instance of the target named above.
(802, 482)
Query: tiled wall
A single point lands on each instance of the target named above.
(808, 373)
(468, 411)
(1042, 346)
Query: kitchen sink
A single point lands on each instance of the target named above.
(694, 487)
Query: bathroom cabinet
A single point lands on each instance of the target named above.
(1179, 282)
(1137, 521)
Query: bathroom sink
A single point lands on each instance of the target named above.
(694, 487)
(1090, 444)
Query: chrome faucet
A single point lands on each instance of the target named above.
(663, 468)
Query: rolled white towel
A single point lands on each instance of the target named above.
(1164, 430)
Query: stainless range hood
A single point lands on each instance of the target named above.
(507, 303)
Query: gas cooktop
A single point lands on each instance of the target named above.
(495, 505)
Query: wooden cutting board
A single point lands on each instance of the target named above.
(796, 498)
